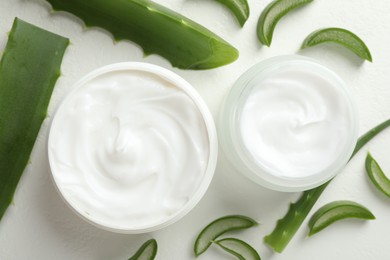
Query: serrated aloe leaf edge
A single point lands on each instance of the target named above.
(156, 29)
(335, 211)
(147, 251)
(29, 69)
(287, 226)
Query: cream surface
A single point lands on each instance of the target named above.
(128, 148)
(295, 122)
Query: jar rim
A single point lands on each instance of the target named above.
(210, 131)
(231, 114)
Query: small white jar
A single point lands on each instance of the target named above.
(288, 124)
(132, 148)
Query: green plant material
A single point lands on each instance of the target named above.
(377, 176)
(238, 248)
(219, 227)
(287, 226)
(147, 251)
(364, 139)
(29, 69)
(336, 211)
(341, 36)
(271, 16)
(239, 8)
(186, 44)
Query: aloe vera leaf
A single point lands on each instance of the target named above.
(271, 16)
(364, 139)
(377, 176)
(238, 248)
(335, 211)
(29, 69)
(341, 36)
(287, 226)
(186, 44)
(147, 251)
(219, 227)
(239, 8)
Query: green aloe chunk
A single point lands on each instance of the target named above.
(271, 16)
(158, 30)
(340, 36)
(147, 251)
(29, 69)
(238, 248)
(377, 176)
(287, 226)
(219, 227)
(239, 8)
(336, 211)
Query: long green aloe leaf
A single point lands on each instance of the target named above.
(287, 226)
(29, 69)
(239, 8)
(186, 44)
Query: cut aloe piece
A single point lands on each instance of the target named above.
(29, 69)
(340, 36)
(287, 226)
(336, 211)
(239, 8)
(158, 30)
(147, 251)
(377, 176)
(219, 227)
(271, 16)
(238, 248)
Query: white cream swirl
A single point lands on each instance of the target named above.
(295, 122)
(128, 148)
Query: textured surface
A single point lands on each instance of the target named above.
(40, 226)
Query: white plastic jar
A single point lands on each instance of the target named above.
(132, 148)
(289, 124)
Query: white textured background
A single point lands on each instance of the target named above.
(40, 226)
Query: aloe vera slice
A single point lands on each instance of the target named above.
(238, 248)
(271, 16)
(219, 227)
(340, 36)
(186, 44)
(287, 226)
(239, 8)
(336, 211)
(147, 251)
(29, 69)
(377, 176)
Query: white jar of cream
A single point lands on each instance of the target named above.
(132, 148)
(289, 124)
